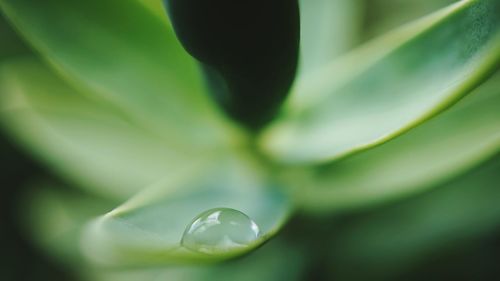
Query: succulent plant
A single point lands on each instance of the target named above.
(183, 144)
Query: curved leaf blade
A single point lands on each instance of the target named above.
(385, 15)
(446, 146)
(127, 56)
(147, 229)
(390, 86)
(56, 216)
(83, 140)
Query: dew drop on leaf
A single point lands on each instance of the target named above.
(220, 230)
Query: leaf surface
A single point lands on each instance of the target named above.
(266, 264)
(55, 217)
(445, 146)
(389, 86)
(84, 140)
(126, 56)
(148, 229)
(328, 29)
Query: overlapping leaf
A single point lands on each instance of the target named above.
(58, 215)
(389, 86)
(446, 146)
(127, 56)
(148, 229)
(119, 52)
(383, 15)
(82, 139)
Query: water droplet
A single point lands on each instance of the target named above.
(220, 230)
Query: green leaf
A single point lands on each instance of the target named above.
(55, 217)
(156, 6)
(388, 242)
(148, 229)
(383, 15)
(249, 54)
(267, 264)
(389, 86)
(445, 146)
(83, 140)
(328, 29)
(127, 56)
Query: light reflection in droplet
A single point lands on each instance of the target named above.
(220, 230)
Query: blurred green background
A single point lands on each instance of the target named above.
(20, 259)
(449, 233)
